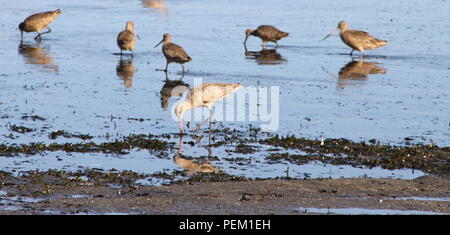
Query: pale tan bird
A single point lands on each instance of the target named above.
(37, 22)
(356, 39)
(204, 95)
(267, 33)
(126, 40)
(173, 52)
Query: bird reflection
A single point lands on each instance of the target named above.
(156, 6)
(33, 53)
(356, 72)
(190, 165)
(172, 88)
(265, 56)
(125, 70)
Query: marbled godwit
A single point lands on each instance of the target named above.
(358, 69)
(172, 88)
(265, 56)
(173, 52)
(357, 40)
(125, 70)
(127, 38)
(37, 22)
(267, 33)
(204, 95)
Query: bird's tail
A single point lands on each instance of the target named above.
(284, 34)
(57, 12)
(381, 43)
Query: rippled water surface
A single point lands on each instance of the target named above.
(76, 81)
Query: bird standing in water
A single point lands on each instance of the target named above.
(126, 40)
(173, 52)
(356, 39)
(267, 33)
(204, 95)
(37, 22)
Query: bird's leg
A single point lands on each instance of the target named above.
(49, 30)
(182, 67)
(38, 37)
(351, 53)
(203, 122)
(132, 54)
(167, 65)
(276, 44)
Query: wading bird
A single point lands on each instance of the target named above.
(126, 40)
(357, 40)
(204, 95)
(173, 52)
(267, 33)
(37, 22)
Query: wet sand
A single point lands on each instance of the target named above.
(56, 194)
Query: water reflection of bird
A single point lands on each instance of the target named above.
(126, 40)
(356, 72)
(266, 33)
(172, 88)
(265, 56)
(125, 70)
(35, 54)
(204, 95)
(191, 165)
(173, 52)
(156, 5)
(37, 22)
(357, 40)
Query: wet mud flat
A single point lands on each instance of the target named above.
(59, 193)
(203, 188)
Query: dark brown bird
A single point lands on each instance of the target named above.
(357, 40)
(173, 52)
(126, 40)
(37, 22)
(267, 33)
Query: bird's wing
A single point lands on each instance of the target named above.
(41, 19)
(268, 31)
(174, 51)
(362, 37)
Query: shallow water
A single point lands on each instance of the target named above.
(365, 211)
(77, 82)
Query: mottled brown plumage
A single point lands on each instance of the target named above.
(358, 40)
(173, 52)
(126, 40)
(37, 22)
(266, 33)
(204, 95)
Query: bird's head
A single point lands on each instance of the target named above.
(248, 32)
(166, 39)
(342, 26)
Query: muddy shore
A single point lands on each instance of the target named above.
(59, 193)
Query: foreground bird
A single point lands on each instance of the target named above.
(37, 22)
(267, 33)
(204, 95)
(127, 38)
(357, 40)
(173, 52)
